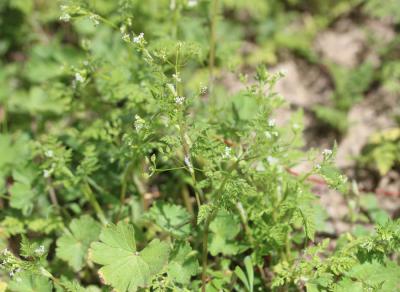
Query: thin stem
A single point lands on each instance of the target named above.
(205, 254)
(213, 40)
(3, 111)
(182, 132)
(124, 185)
(186, 200)
(93, 202)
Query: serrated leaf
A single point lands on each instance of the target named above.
(225, 227)
(26, 282)
(74, 244)
(183, 263)
(21, 196)
(172, 218)
(124, 268)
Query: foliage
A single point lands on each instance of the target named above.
(125, 164)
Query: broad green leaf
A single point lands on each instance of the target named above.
(21, 196)
(225, 227)
(26, 282)
(74, 244)
(124, 268)
(183, 263)
(172, 218)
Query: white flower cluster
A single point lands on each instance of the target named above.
(227, 153)
(79, 77)
(139, 123)
(47, 172)
(65, 15)
(40, 250)
(95, 19)
(49, 153)
(271, 122)
(327, 152)
(139, 39)
(126, 37)
(180, 100)
(188, 164)
(177, 77)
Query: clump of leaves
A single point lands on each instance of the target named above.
(129, 177)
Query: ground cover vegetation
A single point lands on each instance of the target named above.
(128, 164)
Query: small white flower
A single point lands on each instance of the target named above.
(192, 3)
(296, 126)
(126, 38)
(268, 135)
(272, 160)
(139, 123)
(284, 72)
(65, 17)
(180, 100)
(138, 39)
(318, 166)
(5, 252)
(95, 19)
(79, 77)
(271, 122)
(327, 152)
(46, 173)
(177, 77)
(227, 153)
(203, 90)
(40, 250)
(49, 153)
(188, 163)
(11, 274)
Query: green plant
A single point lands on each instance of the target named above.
(382, 151)
(118, 173)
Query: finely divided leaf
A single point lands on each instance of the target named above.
(124, 268)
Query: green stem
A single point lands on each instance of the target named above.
(182, 132)
(4, 122)
(93, 202)
(205, 254)
(124, 185)
(213, 40)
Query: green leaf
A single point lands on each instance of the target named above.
(74, 244)
(26, 282)
(172, 218)
(183, 263)
(225, 227)
(124, 268)
(21, 196)
(377, 275)
(247, 280)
